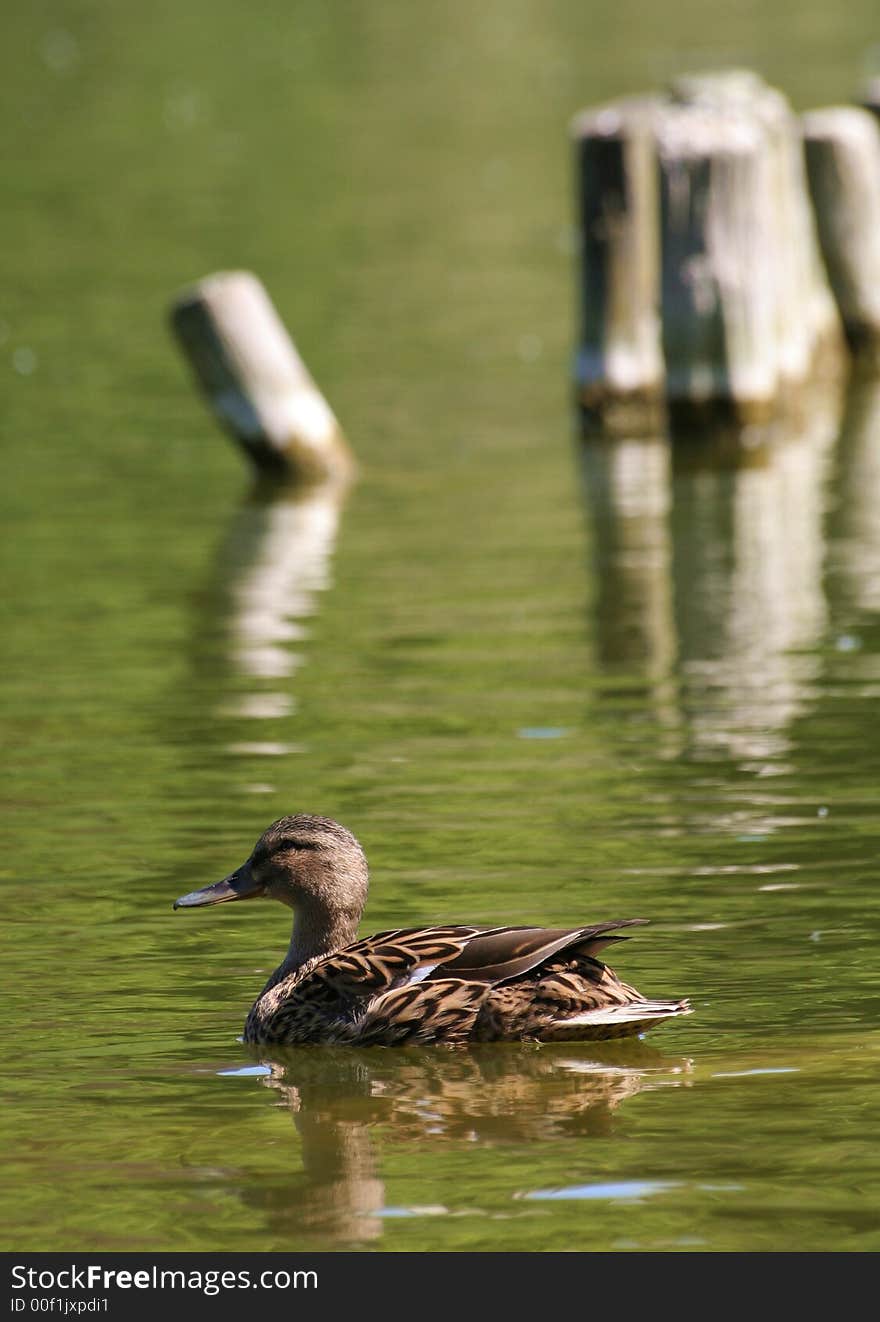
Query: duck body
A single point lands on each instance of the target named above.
(411, 986)
(457, 984)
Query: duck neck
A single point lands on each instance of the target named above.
(316, 932)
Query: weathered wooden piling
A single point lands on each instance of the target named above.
(843, 165)
(702, 277)
(718, 305)
(255, 381)
(806, 323)
(619, 364)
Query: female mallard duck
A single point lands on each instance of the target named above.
(420, 984)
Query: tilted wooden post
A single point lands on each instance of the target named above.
(255, 381)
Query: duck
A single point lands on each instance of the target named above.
(449, 984)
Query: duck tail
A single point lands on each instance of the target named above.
(631, 1013)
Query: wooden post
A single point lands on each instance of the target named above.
(726, 248)
(619, 366)
(807, 327)
(843, 164)
(718, 300)
(255, 381)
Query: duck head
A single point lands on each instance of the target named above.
(311, 864)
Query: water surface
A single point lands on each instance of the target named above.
(541, 685)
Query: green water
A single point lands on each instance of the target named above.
(538, 690)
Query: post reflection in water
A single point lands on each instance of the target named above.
(710, 559)
(627, 485)
(349, 1105)
(855, 521)
(274, 561)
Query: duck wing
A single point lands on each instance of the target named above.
(441, 1010)
(499, 954)
(439, 982)
(391, 959)
(403, 956)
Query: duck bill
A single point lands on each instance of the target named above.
(240, 885)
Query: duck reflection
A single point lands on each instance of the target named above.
(349, 1105)
(709, 556)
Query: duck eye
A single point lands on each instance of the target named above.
(293, 842)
